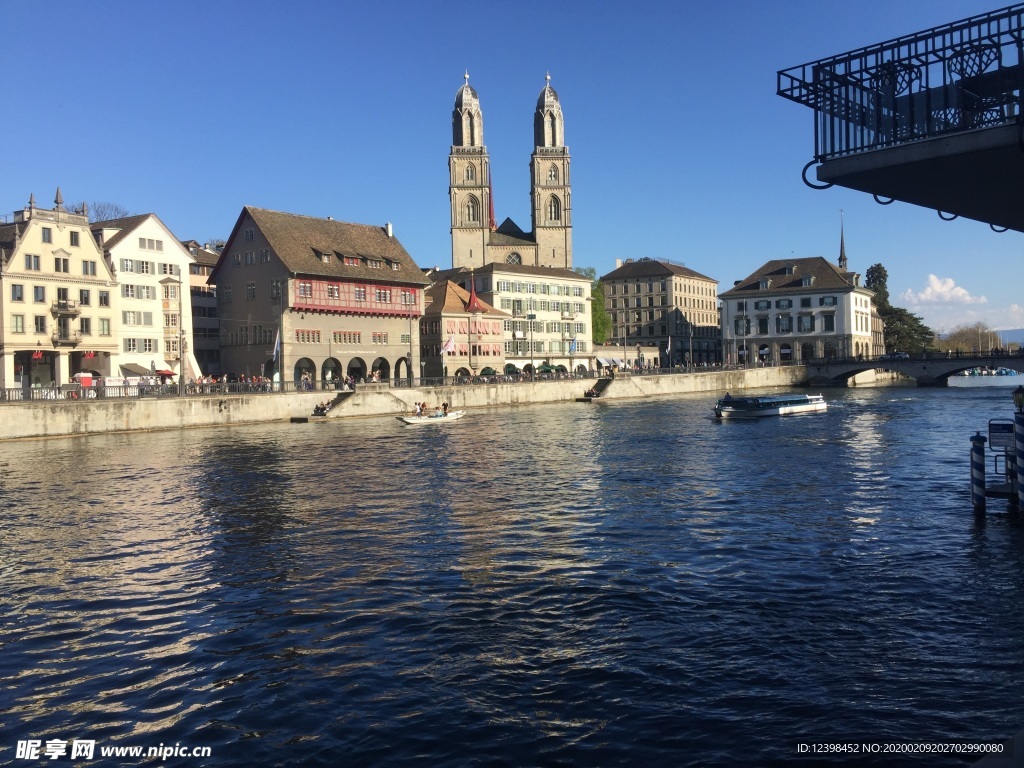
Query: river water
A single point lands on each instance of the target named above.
(622, 583)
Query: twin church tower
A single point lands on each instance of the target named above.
(476, 240)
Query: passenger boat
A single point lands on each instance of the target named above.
(452, 416)
(769, 405)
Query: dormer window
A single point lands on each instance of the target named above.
(807, 281)
(791, 269)
(765, 283)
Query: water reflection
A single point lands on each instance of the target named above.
(622, 582)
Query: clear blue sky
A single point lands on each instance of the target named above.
(680, 147)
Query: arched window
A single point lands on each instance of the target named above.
(553, 173)
(513, 258)
(554, 209)
(470, 172)
(472, 210)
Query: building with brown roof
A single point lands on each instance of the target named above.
(662, 303)
(316, 299)
(152, 299)
(792, 310)
(57, 295)
(548, 311)
(460, 335)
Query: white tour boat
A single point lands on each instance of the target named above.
(431, 419)
(768, 405)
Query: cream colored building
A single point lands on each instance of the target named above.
(153, 300)
(205, 321)
(659, 302)
(549, 309)
(793, 310)
(58, 309)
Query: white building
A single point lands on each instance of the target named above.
(793, 310)
(152, 295)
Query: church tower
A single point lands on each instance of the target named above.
(469, 168)
(549, 176)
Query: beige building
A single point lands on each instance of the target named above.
(311, 299)
(58, 301)
(153, 302)
(662, 303)
(460, 335)
(548, 313)
(793, 310)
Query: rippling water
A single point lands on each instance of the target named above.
(626, 583)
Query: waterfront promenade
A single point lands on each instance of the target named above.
(64, 417)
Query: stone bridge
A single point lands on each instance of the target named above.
(929, 370)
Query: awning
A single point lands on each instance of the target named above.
(166, 373)
(135, 370)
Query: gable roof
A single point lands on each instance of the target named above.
(787, 276)
(300, 242)
(551, 273)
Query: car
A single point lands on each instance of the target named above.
(894, 356)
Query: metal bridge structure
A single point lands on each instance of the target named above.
(931, 370)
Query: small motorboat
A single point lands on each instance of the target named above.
(769, 405)
(432, 419)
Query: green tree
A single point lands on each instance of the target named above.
(904, 331)
(600, 322)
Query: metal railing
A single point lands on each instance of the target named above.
(957, 77)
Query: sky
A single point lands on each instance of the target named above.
(680, 147)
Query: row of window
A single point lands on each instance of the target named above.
(47, 235)
(784, 324)
(662, 287)
(143, 267)
(39, 295)
(544, 289)
(40, 325)
(33, 263)
(250, 257)
(806, 302)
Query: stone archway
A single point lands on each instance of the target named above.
(304, 373)
(380, 370)
(357, 369)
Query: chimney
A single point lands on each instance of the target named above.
(387, 228)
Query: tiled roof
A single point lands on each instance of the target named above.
(125, 224)
(298, 242)
(787, 276)
(510, 269)
(447, 298)
(653, 268)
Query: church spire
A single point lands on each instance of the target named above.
(842, 242)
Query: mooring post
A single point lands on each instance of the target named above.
(978, 471)
(1018, 438)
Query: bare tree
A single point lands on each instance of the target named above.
(101, 211)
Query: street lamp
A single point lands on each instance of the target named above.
(423, 366)
(691, 346)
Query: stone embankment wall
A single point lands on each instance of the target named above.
(61, 418)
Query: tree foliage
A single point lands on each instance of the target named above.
(600, 322)
(904, 331)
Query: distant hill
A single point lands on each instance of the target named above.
(1013, 336)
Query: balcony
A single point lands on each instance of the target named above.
(65, 338)
(932, 119)
(65, 308)
(568, 315)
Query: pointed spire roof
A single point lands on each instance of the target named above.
(474, 304)
(59, 199)
(842, 242)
